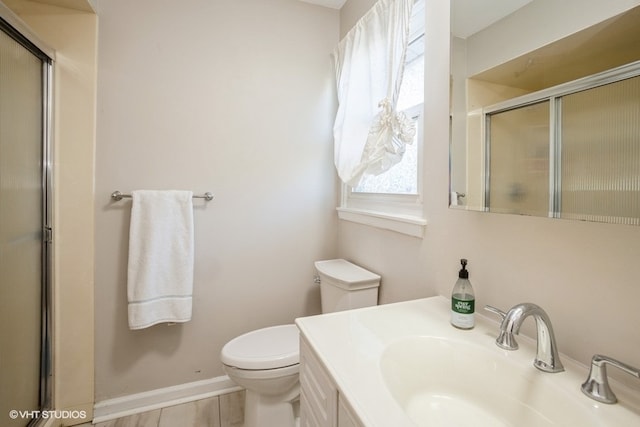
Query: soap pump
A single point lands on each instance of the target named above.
(463, 300)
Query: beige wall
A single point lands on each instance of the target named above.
(581, 273)
(232, 97)
(73, 35)
(351, 11)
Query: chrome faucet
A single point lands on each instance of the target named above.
(597, 385)
(547, 358)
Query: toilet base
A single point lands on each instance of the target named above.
(267, 411)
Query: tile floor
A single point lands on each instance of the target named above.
(218, 411)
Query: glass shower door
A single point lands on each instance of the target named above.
(519, 160)
(22, 220)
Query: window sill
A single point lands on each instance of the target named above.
(404, 224)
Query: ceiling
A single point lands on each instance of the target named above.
(333, 4)
(81, 5)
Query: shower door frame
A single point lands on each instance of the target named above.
(15, 28)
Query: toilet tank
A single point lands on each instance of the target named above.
(344, 285)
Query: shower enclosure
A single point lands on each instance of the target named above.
(25, 228)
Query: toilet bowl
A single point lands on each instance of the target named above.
(266, 362)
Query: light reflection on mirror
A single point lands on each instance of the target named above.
(540, 45)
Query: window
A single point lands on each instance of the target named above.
(401, 178)
(393, 199)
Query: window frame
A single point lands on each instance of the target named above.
(402, 213)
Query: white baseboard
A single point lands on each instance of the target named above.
(118, 407)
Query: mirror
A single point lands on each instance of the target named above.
(544, 112)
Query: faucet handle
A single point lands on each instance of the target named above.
(597, 385)
(497, 311)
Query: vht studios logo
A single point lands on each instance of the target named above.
(14, 414)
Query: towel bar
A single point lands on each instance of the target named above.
(117, 196)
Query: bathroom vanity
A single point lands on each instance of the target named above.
(321, 402)
(403, 364)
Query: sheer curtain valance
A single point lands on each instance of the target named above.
(370, 135)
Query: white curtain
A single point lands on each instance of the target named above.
(370, 135)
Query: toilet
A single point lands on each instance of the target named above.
(266, 362)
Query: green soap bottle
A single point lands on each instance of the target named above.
(463, 300)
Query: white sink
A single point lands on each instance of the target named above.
(473, 384)
(403, 364)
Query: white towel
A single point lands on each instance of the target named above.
(160, 273)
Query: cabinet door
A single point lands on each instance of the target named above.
(346, 417)
(318, 395)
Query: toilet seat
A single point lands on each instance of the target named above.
(261, 374)
(267, 348)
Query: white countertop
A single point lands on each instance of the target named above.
(350, 345)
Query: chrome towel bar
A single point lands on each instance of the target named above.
(117, 196)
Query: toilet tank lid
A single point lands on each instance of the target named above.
(347, 274)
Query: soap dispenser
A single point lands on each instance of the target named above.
(463, 300)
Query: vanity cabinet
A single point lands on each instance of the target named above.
(321, 404)
(346, 417)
